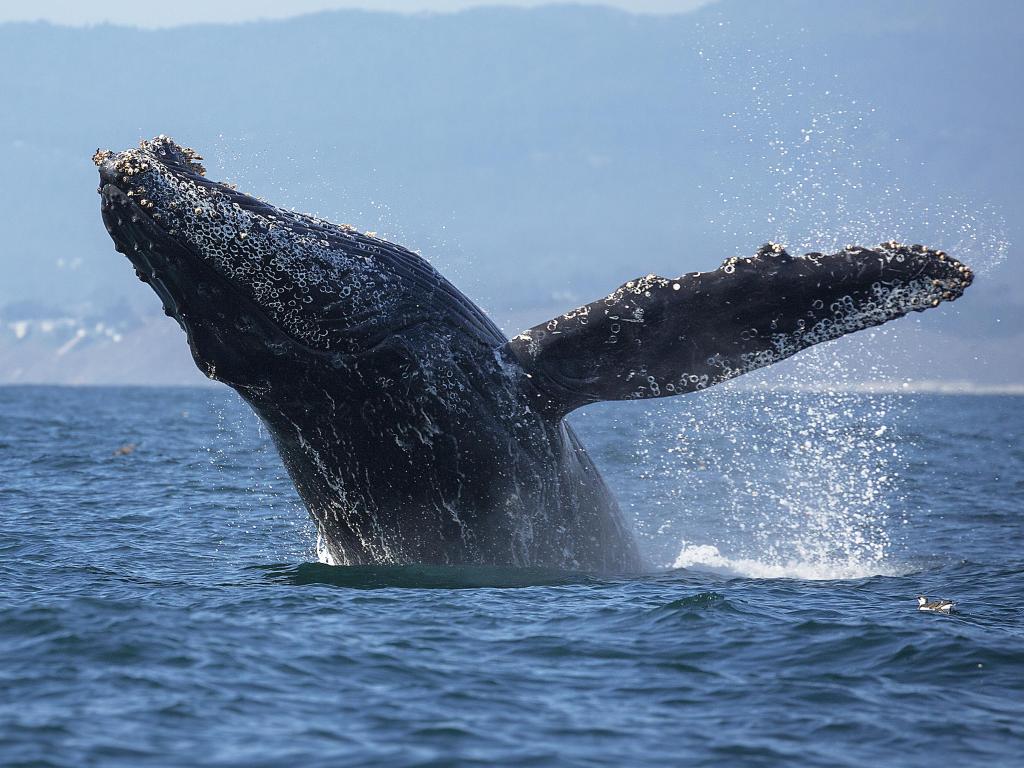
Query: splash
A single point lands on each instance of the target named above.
(323, 553)
(815, 175)
(776, 482)
(705, 557)
(793, 471)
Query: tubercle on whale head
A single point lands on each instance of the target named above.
(127, 164)
(226, 264)
(230, 339)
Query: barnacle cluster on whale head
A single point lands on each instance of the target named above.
(304, 272)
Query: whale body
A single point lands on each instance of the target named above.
(413, 429)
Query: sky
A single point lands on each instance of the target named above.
(132, 12)
(700, 135)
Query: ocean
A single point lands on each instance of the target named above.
(161, 602)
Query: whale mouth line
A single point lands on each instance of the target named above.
(328, 287)
(160, 259)
(137, 235)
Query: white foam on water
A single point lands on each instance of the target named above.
(706, 557)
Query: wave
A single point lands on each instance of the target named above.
(422, 576)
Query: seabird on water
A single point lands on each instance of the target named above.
(936, 606)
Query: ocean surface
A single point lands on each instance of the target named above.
(161, 602)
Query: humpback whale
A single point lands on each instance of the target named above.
(413, 429)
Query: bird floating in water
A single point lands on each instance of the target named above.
(936, 606)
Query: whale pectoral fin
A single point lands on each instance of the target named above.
(655, 336)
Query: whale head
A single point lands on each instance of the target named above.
(255, 286)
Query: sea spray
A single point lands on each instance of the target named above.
(793, 473)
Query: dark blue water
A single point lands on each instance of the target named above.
(165, 606)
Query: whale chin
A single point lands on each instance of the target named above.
(230, 338)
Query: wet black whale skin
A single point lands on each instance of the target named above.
(413, 430)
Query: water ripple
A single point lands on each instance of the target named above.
(165, 606)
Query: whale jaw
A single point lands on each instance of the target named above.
(230, 338)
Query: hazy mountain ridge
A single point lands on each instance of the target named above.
(539, 157)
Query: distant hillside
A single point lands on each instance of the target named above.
(539, 157)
